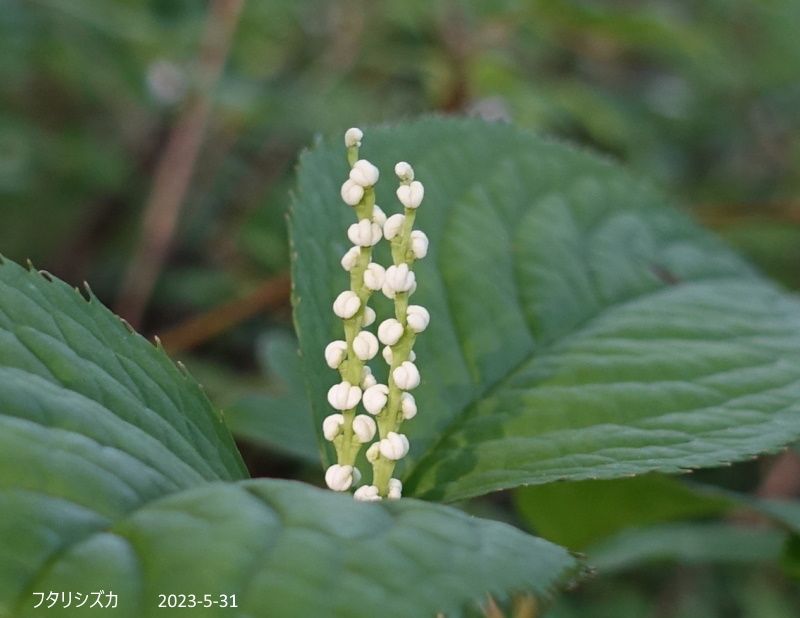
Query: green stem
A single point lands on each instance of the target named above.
(382, 471)
(401, 307)
(405, 235)
(352, 367)
(365, 206)
(352, 155)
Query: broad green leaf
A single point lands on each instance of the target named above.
(69, 366)
(281, 421)
(287, 549)
(686, 543)
(116, 474)
(581, 327)
(94, 422)
(579, 513)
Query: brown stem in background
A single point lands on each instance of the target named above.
(725, 215)
(272, 293)
(456, 40)
(783, 478)
(174, 168)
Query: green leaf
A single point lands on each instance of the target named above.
(69, 366)
(581, 327)
(281, 421)
(94, 422)
(583, 512)
(286, 549)
(116, 474)
(688, 544)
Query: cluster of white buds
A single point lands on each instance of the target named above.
(387, 405)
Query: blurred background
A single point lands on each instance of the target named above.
(148, 146)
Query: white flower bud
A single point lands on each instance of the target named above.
(346, 304)
(374, 276)
(344, 396)
(406, 376)
(378, 216)
(352, 137)
(395, 489)
(408, 406)
(375, 398)
(352, 192)
(364, 428)
(394, 446)
(419, 244)
(356, 476)
(365, 345)
(332, 426)
(350, 258)
(387, 355)
(364, 173)
(369, 316)
(335, 353)
(367, 493)
(399, 278)
(393, 226)
(404, 171)
(367, 379)
(364, 233)
(339, 478)
(390, 331)
(411, 195)
(417, 318)
(373, 452)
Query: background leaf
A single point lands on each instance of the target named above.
(281, 421)
(686, 543)
(621, 532)
(579, 513)
(581, 327)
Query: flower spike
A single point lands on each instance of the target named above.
(387, 406)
